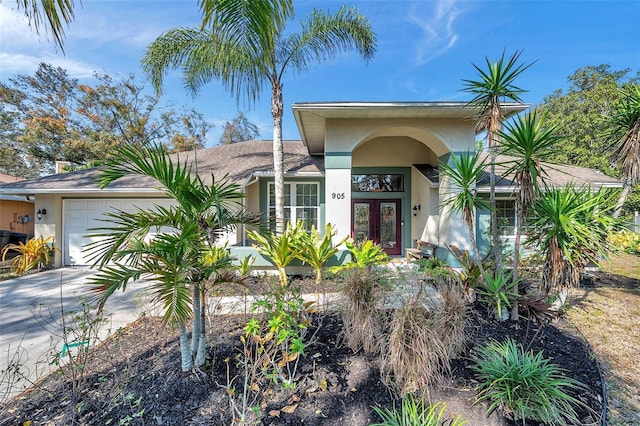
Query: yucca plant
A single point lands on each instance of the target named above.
(414, 412)
(280, 249)
(316, 250)
(524, 385)
(36, 253)
(464, 173)
(571, 226)
(498, 291)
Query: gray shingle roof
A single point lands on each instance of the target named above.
(242, 160)
(239, 161)
(557, 175)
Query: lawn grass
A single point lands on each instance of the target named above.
(608, 317)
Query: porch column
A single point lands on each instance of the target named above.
(338, 192)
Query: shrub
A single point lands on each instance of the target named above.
(415, 413)
(36, 253)
(524, 385)
(625, 240)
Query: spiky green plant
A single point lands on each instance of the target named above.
(498, 291)
(524, 385)
(36, 253)
(414, 412)
(316, 250)
(280, 249)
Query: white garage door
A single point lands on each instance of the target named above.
(79, 215)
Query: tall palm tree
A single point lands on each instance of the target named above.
(176, 261)
(53, 14)
(246, 48)
(529, 140)
(625, 128)
(495, 85)
(464, 172)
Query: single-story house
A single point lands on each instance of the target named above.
(368, 168)
(16, 214)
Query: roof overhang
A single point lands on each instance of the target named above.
(311, 117)
(21, 192)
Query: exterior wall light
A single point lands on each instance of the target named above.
(40, 213)
(416, 209)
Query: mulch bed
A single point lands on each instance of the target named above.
(136, 379)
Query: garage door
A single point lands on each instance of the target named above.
(79, 215)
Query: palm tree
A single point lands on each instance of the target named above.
(245, 48)
(530, 140)
(53, 14)
(496, 85)
(571, 227)
(625, 123)
(177, 260)
(465, 171)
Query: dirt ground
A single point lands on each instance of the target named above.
(607, 311)
(134, 378)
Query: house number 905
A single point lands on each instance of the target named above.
(337, 196)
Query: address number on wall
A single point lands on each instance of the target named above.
(337, 195)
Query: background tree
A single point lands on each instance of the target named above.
(49, 116)
(582, 115)
(238, 130)
(578, 113)
(246, 48)
(496, 84)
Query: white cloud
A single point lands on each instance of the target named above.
(16, 63)
(438, 30)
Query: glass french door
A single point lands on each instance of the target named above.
(377, 220)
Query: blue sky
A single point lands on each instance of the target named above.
(425, 49)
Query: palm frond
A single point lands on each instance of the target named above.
(324, 36)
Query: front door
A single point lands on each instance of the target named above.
(377, 220)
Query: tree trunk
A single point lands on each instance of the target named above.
(552, 269)
(278, 153)
(195, 333)
(623, 197)
(516, 256)
(201, 353)
(185, 351)
(476, 252)
(495, 125)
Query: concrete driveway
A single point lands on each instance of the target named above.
(30, 320)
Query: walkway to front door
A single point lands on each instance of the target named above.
(378, 220)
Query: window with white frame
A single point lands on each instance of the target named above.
(506, 213)
(301, 203)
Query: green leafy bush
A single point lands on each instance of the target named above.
(625, 240)
(415, 413)
(524, 385)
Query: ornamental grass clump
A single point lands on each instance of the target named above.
(364, 288)
(425, 333)
(414, 412)
(524, 386)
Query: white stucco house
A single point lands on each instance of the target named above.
(369, 168)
